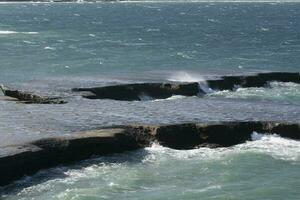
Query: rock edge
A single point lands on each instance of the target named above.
(26, 159)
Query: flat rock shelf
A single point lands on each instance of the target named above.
(138, 91)
(26, 159)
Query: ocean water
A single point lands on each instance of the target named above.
(50, 48)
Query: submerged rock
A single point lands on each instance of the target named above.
(138, 91)
(19, 160)
(30, 98)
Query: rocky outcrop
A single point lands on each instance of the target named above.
(19, 160)
(138, 91)
(222, 134)
(30, 98)
(189, 136)
(257, 80)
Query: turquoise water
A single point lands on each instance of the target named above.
(49, 48)
(267, 168)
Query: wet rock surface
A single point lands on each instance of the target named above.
(137, 92)
(257, 80)
(26, 159)
(29, 98)
(17, 161)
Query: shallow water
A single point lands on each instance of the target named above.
(50, 48)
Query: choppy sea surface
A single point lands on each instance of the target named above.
(49, 48)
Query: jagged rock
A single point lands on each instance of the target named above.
(135, 92)
(258, 80)
(19, 160)
(30, 98)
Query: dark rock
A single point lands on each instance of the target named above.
(179, 136)
(131, 92)
(19, 160)
(136, 92)
(223, 134)
(29, 98)
(258, 80)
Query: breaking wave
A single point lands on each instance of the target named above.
(183, 76)
(277, 91)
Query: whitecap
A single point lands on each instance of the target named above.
(7, 32)
(263, 29)
(184, 55)
(15, 32)
(30, 33)
(28, 42)
(50, 48)
(153, 30)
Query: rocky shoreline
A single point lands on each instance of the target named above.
(148, 91)
(17, 161)
(26, 159)
(137, 92)
(28, 97)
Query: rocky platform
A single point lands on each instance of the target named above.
(26, 159)
(256, 80)
(27, 97)
(137, 92)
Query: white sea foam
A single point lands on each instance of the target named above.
(28, 42)
(273, 145)
(145, 97)
(153, 30)
(182, 76)
(7, 32)
(119, 172)
(50, 48)
(174, 97)
(277, 91)
(15, 32)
